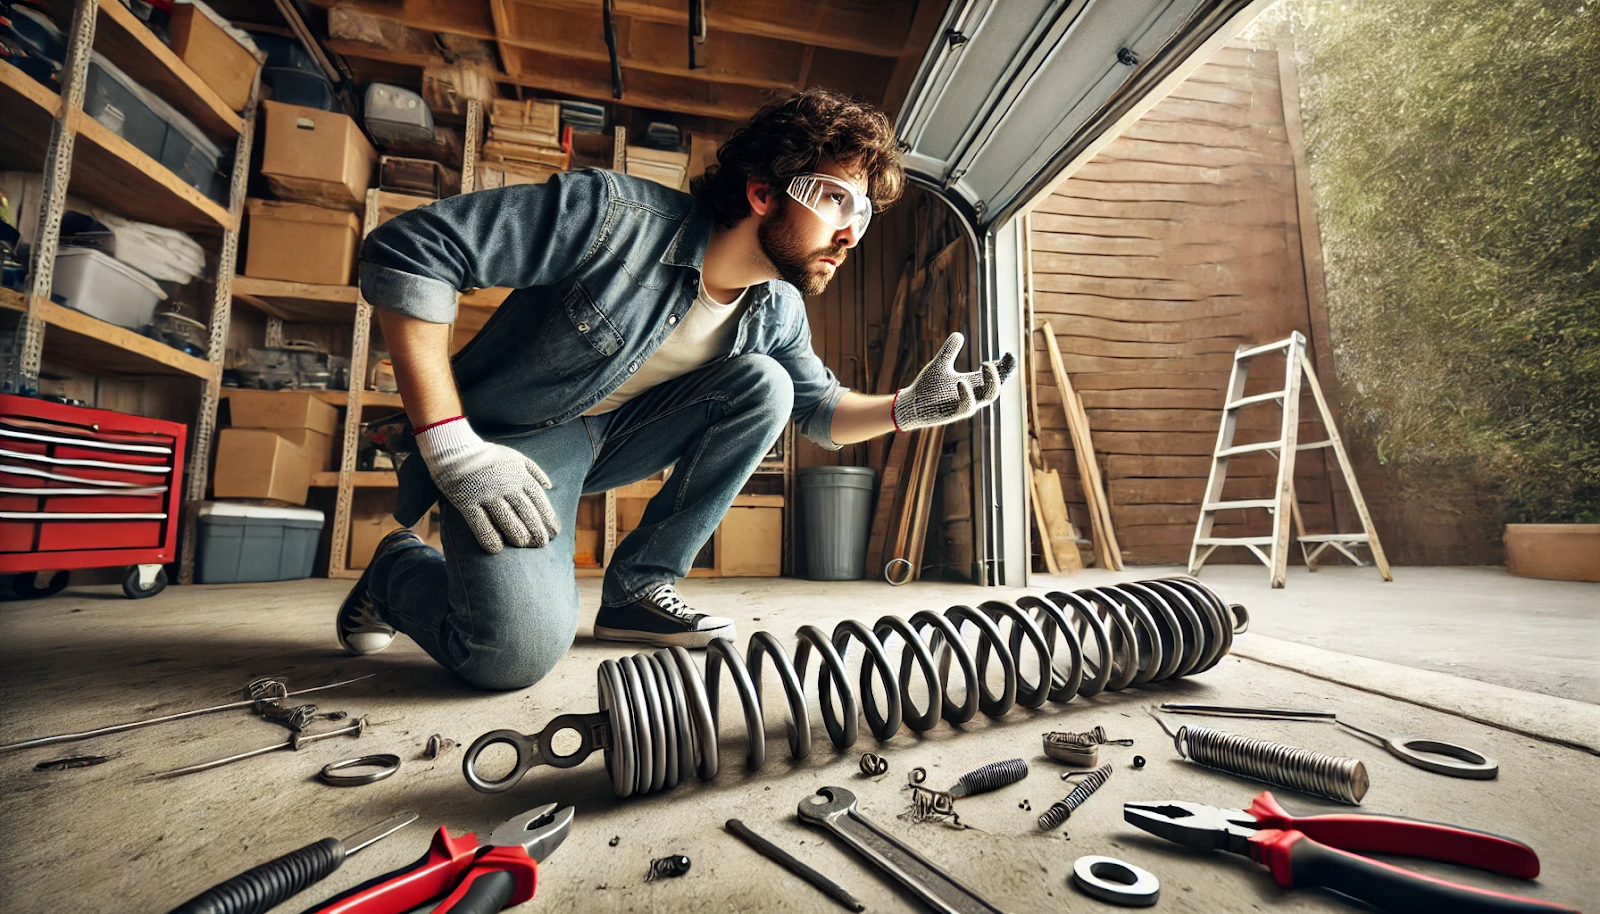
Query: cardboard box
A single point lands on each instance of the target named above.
(221, 63)
(749, 543)
(301, 243)
(259, 463)
(391, 204)
(281, 409)
(366, 532)
(586, 548)
(315, 156)
(318, 445)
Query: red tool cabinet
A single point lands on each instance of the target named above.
(88, 488)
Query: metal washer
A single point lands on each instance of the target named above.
(387, 763)
(1133, 887)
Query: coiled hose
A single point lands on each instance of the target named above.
(658, 713)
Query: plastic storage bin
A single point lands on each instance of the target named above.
(837, 502)
(242, 544)
(283, 51)
(110, 100)
(195, 160)
(293, 86)
(102, 286)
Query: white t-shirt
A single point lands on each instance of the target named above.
(704, 336)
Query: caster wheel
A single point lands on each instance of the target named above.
(135, 586)
(31, 586)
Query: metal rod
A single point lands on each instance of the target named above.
(295, 741)
(118, 728)
(1256, 713)
(778, 855)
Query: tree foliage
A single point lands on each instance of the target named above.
(1455, 153)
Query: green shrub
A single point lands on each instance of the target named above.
(1455, 154)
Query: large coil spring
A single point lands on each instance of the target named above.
(658, 713)
(1331, 776)
(1062, 809)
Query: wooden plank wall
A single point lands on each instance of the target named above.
(1175, 245)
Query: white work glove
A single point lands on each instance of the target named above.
(940, 394)
(499, 492)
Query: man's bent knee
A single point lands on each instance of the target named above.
(765, 382)
(519, 662)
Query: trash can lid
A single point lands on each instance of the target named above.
(841, 471)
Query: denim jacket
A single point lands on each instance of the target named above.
(603, 267)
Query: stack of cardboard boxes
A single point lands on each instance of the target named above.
(320, 165)
(274, 442)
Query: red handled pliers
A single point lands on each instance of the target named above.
(471, 877)
(1306, 851)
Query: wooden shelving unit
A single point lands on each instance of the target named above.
(96, 346)
(302, 302)
(108, 170)
(360, 479)
(30, 113)
(78, 155)
(105, 168)
(371, 399)
(139, 53)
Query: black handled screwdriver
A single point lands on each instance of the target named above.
(263, 888)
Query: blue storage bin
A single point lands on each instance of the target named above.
(241, 544)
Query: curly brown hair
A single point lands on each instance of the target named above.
(790, 137)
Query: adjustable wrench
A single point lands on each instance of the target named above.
(834, 809)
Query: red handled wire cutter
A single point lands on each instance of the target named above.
(471, 877)
(1316, 851)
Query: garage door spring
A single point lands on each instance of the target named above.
(658, 712)
(1305, 770)
(1062, 809)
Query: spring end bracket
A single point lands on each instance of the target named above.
(535, 749)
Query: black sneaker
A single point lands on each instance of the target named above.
(662, 618)
(360, 629)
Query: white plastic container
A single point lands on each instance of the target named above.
(104, 287)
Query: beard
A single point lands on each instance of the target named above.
(781, 244)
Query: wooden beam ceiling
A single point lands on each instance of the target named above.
(755, 49)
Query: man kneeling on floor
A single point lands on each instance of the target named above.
(649, 329)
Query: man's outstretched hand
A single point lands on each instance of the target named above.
(940, 394)
(499, 492)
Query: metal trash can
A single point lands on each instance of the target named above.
(837, 502)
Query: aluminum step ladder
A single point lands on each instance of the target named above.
(1284, 505)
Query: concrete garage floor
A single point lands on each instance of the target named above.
(95, 839)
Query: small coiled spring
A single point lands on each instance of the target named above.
(992, 776)
(1062, 809)
(1331, 776)
(873, 764)
(1080, 749)
(658, 712)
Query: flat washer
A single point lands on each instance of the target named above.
(387, 763)
(888, 572)
(1110, 879)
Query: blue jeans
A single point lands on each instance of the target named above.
(502, 621)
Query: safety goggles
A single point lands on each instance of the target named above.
(834, 201)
